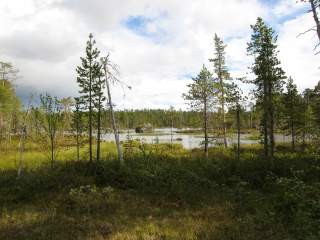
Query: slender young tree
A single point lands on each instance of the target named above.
(201, 98)
(268, 80)
(86, 80)
(50, 117)
(220, 69)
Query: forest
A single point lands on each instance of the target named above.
(235, 164)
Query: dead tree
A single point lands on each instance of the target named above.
(111, 73)
(315, 6)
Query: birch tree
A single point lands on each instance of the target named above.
(50, 117)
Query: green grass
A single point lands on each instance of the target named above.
(35, 157)
(161, 192)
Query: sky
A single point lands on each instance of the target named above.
(159, 45)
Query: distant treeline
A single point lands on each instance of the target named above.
(160, 118)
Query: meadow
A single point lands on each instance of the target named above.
(161, 191)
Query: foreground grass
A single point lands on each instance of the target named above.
(162, 192)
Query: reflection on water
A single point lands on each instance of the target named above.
(189, 141)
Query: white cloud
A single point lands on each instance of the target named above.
(297, 53)
(46, 38)
(287, 7)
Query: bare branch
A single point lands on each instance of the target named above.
(309, 30)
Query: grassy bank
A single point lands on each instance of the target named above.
(162, 192)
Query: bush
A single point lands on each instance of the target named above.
(90, 200)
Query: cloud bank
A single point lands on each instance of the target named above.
(158, 44)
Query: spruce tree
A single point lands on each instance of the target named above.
(87, 74)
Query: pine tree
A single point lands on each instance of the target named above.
(201, 98)
(268, 81)
(308, 116)
(99, 99)
(292, 110)
(87, 74)
(223, 75)
(236, 99)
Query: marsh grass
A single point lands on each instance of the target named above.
(162, 191)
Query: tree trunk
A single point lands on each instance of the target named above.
(265, 120)
(21, 150)
(205, 116)
(78, 145)
(90, 111)
(238, 127)
(52, 151)
(315, 16)
(113, 120)
(224, 125)
(272, 143)
(171, 131)
(23, 135)
(292, 136)
(99, 130)
(271, 120)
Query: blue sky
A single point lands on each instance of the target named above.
(138, 25)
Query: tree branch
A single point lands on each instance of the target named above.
(309, 30)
